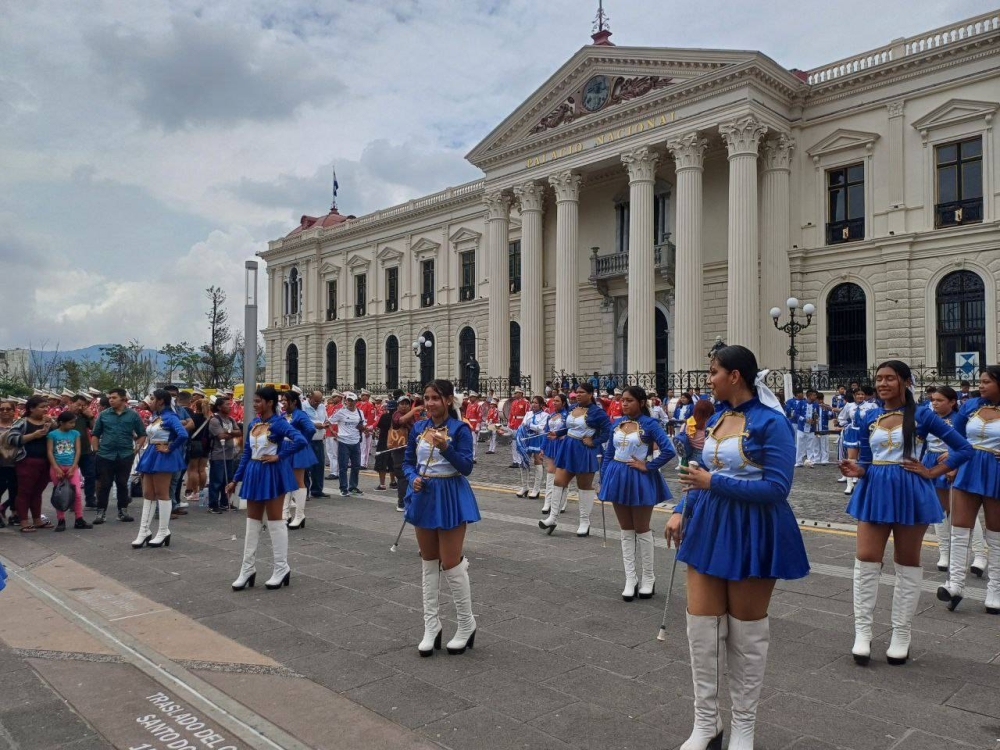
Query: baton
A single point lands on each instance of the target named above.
(423, 475)
(661, 635)
(390, 450)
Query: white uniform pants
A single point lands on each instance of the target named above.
(366, 449)
(514, 456)
(824, 449)
(330, 445)
(493, 442)
(810, 443)
(475, 443)
(800, 447)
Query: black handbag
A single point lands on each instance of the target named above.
(63, 495)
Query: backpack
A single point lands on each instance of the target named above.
(395, 438)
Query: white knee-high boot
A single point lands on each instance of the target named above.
(522, 472)
(563, 499)
(286, 508)
(299, 521)
(550, 480)
(548, 524)
(747, 646)
(628, 562)
(993, 586)
(977, 548)
(162, 538)
(282, 574)
(432, 623)
(461, 594)
(953, 590)
(866, 580)
(586, 505)
(144, 535)
(905, 598)
(707, 643)
(943, 533)
(648, 584)
(248, 570)
(536, 481)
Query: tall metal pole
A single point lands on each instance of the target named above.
(249, 345)
(791, 351)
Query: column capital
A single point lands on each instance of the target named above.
(566, 185)
(530, 195)
(497, 205)
(688, 150)
(641, 164)
(778, 152)
(895, 108)
(742, 135)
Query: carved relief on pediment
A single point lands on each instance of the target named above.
(597, 93)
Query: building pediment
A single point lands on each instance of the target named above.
(464, 235)
(424, 246)
(954, 111)
(358, 262)
(388, 255)
(842, 140)
(328, 269)
(599, 80)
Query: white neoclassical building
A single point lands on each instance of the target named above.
(645, 200)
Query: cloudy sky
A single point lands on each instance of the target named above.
(148, 148)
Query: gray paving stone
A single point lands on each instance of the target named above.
(610, 656)
(481, 729)
(849, 729)
(44, 725)
(975, 699)
(917, 740)
(611, 691)
(532, 632)
(941, 720)
(442, 669)
(592, 727)
(532, 664)
(286, 644)
(407, 700)
(510, 695)
(241, 621)
(340, 670)
(918, 679)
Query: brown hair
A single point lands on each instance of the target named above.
(702, 412)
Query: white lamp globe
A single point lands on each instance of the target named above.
(809, 308)
(428, 344)
(792, 303)
(421, 339)
(775, 312)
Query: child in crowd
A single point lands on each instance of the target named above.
(64, 462)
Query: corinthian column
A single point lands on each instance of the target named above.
(498, 336)
(775, 277)
(567, 187)
(742, 137)
(531, 195)
(641, 354)
(689, 157)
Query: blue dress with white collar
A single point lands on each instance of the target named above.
(304, 457)
(165, 429)
(261, 480)
(742, 526)
(625, 485)
(446, 499)
(888, 493)
(934, 448)
(981, 475)
(573, 454)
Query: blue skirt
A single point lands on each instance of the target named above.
(153, 462)
(304, 458)
(980, 475)
(263, 482)
(850, 437)
(735, 540)
(577, 458)
(550, 447)
(624, 485)
(930, 461)
(443, 503)
(888, 493)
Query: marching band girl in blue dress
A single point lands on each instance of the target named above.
(266, 473)
(895, 496)
(740, 536)
(303, 459)
(166, 439)
(943, 401)
(977, 484)
(553, 423)
(439, 504)
(587, 430)
(533, 434)
(632, 483)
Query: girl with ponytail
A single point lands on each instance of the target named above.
(895, 495)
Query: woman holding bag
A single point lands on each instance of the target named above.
(164, 455)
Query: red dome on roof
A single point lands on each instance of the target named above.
(332, 219)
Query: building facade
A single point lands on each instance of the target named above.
(644, 201)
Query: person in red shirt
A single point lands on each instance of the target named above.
(473, 417)
(493, 422)
(367, 408)
(614, 407)
(553, 403)
(518, 409)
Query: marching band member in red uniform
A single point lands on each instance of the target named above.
(518, 410)
(474, 417)
(614, 407)
(333, 405)
(493, 421)
(367, 408)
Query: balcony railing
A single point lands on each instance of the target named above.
(391, 305)
(360, 310)
(958, 212)
(331, 314)
(615, 265)
(466, 293)
(851, 230)
(292, 319)
(427, 300)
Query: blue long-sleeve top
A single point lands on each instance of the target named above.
(170, 421)
(927, 422)
(768, 445)
(548, 420)
(966, 409)
(303, 423)
(652, 433)
(598, 420)
(281, 432)
(458, 453)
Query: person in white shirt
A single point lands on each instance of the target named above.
(316, 411)
(349, 424)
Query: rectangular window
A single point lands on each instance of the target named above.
(360, 295)
(427, 283)
(845, 193)
(331, 300)
(391, 289)
(621, 227)
(959, 183)
(467, 291)
(514, 266)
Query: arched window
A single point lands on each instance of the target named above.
(961, 318)
(392, 362)
(466, 347)
(292, 365)
(427, 355)
(293, 293)
(360, 364)
(515, 353)
(846, 331)
(331, 366)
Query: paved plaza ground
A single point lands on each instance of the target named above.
(102, 646)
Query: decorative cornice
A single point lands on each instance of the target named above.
(688, 150)
(954, 111)
(641, 164)
(530, 196)
(388, 255)
(465, 235)
(843, 139)
(424, 246)
(742, 135)
(566, 185)
(497, 206)
(778, 152)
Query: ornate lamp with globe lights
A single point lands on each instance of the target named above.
(793, 327)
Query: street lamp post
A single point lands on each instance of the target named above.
(421, 349)
(793, 327)
(249, 343)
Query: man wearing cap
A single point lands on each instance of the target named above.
(316, 411)
(349, 424)
(367, 408)
(474, 418)
(615, 406)
(518, 410)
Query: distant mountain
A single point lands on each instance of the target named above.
(93, 353)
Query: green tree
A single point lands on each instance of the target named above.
(219, 354)
(129, 366)
(177, 355)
